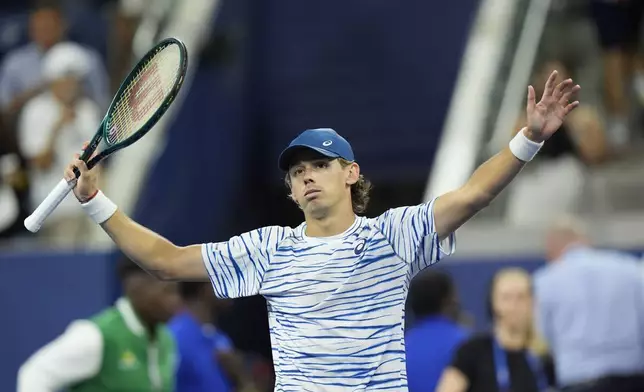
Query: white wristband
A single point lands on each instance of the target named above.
(100, 208)
(524, 148)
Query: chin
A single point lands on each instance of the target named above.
(317, 211)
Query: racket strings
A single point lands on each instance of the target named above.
(144, 94)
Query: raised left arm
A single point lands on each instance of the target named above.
(455, 208)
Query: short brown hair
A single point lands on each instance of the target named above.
(359, 191)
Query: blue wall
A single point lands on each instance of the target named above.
(41, 293)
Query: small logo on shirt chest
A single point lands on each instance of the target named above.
(359, 247)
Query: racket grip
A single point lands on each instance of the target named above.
(34, 222)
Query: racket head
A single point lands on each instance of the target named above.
(144, 96)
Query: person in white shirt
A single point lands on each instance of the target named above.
(335, 285)
(53, 126)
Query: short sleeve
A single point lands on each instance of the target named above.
(466, 357)
(237, 267)
(411, 233)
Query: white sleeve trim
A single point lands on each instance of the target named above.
(74, 356)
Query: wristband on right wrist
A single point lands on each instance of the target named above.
(99, 207)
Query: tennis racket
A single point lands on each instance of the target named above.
(141, 100)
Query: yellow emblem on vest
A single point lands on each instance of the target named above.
(128, 361)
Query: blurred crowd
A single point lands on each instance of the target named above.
(574, 325)
(598, 44)
(60, 63)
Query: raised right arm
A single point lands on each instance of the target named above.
(236, 267)
(152, 252)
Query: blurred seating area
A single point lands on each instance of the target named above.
(592, 168)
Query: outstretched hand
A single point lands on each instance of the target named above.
(546, 116)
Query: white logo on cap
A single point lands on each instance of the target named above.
(327, 143)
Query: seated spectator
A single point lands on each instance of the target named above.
(618, 28)
(209, 361)
(20, 74)
(430, 344)
(500, 360)
(554, 184)
(53, 127)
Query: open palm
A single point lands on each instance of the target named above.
(546, 117)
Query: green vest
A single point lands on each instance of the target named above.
(131, 362)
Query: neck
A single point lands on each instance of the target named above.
(201, 312)
(510, 338)
(330, 225)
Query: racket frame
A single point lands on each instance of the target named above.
(149, 124)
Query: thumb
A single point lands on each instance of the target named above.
(531, 99)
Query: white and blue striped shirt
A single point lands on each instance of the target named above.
(336, 305)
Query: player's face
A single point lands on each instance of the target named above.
(512, 301)
(319, 183)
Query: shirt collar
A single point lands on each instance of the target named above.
(132, 321)
(572, 248)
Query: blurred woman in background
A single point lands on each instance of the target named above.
(501, 360)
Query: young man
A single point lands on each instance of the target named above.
(209, 362)
(336, 284)
(124, 348)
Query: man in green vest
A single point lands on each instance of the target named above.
(126, 347)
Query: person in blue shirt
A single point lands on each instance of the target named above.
(431, 342)
(208, 361)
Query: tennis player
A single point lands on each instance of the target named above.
(335, 285)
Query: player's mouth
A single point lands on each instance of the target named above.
(311, 193)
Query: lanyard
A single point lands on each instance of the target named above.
(503, 372)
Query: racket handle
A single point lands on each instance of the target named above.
(34, 222)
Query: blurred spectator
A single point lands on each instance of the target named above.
(124, 348)
(125, 20)
(21, 72)
(618, 26)
(431, 343)
(51, 129)
(13, 186)
(554, 183)
(209, 362)
(501, 360)
(590, 309)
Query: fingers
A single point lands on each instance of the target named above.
(77, 165)
(565, 97)
(531, 99)
(550, 84)
(85, 145)
(571, 107)
(561, 89)
(69, 172)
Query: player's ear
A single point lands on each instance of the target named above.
(353, 173)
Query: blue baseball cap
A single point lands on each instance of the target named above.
(326, 141)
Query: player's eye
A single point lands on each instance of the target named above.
(297, 171)
(322, 164)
